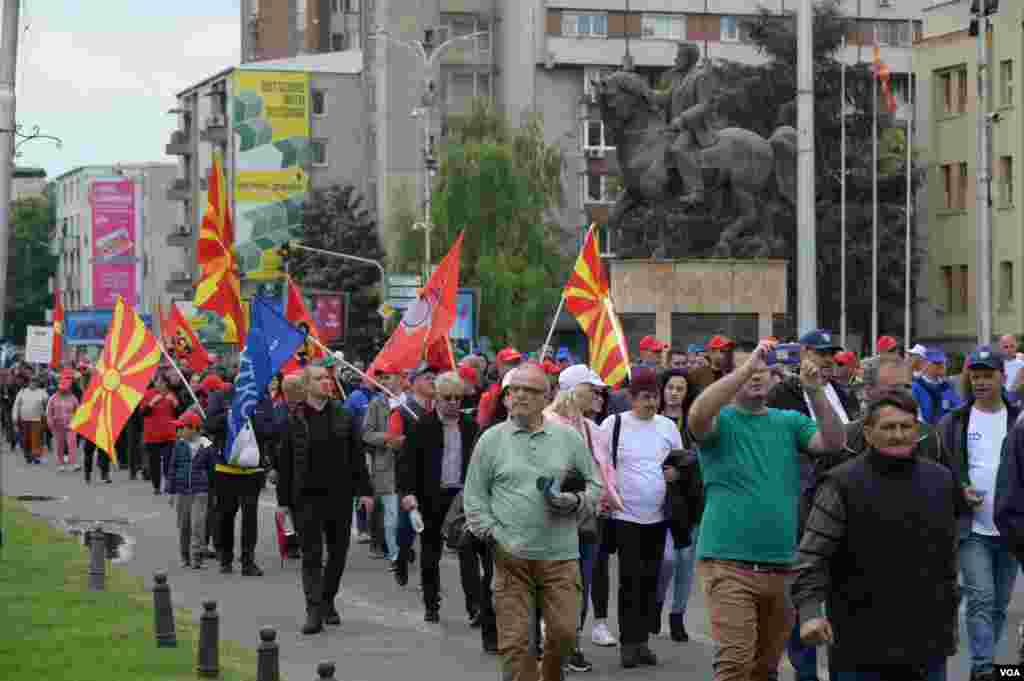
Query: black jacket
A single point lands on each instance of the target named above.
(418, 469)
(346, 475)
(1009, 502)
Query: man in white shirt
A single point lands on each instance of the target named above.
(1013, 365)
(973, 434)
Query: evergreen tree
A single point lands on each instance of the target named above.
(31, 264)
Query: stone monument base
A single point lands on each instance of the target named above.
(689, 300)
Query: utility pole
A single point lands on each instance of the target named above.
(981, 28)
(806, 248)
(8, 74)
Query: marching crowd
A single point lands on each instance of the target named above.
(816, 497)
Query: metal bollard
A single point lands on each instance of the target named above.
(325, 671)
(268, 666)
(97, 540)
(163, 613)
(208, 664)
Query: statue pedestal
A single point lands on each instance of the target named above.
(689, 300)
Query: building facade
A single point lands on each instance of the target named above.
(279, 29)
(28, 183)
(946, 65)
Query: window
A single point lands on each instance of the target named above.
(351, 6)
(319, 102)
(593, 135)
(730, 30)
(947, 187)
(963, 287)
(664, 26)
(962, 188)
(961, 77)
(300, 25)
(1006, 82)
(592, 74)
(337, 42)
(319, 149)
(1006, 181)
(893, 33)
(336, 6)
(1006, 283)
(595, 189)
(585, 25)
(945, 87)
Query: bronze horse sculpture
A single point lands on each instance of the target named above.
(739, 167)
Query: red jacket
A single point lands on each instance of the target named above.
(157, 425)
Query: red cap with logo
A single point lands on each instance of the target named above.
(651, 344)
(212, 383)
(468, 374)
(886, 344)
(720, 343)
(847, 358)
(509, 355)
(189, 419)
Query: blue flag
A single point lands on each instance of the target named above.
(271, 342)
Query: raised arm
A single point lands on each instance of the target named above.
(831, 435)
(704, 412)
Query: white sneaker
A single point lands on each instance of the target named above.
(602, 637)
(60, 468)
(77, 467)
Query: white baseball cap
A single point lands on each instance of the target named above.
(918, 350)
(579, 374)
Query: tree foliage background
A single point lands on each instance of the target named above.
(763, 97)
(335, 219)
(499, 185)
(31, 264)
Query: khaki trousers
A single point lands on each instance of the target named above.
(519, 587)
(751, 618)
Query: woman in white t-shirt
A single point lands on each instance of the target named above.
(645, 440)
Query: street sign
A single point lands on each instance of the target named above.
(404, 280)
(38, 344)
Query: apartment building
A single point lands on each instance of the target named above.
(946, 66)
(279, 29)
(109, 235)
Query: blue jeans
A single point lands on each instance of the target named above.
(588, 556)
(390, 504)
(804, 658)
(677, 567)
(933, 672)
(988, 570)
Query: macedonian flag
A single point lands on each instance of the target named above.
(588, 299)
(129, 360)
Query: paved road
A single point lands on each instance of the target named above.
(382, 637)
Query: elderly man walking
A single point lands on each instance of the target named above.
(513, 499)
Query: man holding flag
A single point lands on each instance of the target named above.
(239, 474)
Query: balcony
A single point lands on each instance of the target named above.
(180, 236)
(179, 144)
(215, 129)
(180, 190)
(180, 283)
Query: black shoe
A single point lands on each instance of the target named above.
(197, 563)
(412, 555)
(474, 619)
(207, 553)
(251, 569)
(401, 572)
(491, 646)
(226, 569)
(107, 480)
(185, 562)
(331, 616)
(677, 628)
(432, 615)
(314, 622)
(578, 663)
(629, 655)
(376, 553)
(655, 626)
(87, 480)
(646, 656)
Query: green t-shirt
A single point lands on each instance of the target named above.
(751, 470)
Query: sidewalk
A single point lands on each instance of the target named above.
(382, 636)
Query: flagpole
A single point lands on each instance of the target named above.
(551, 331)
(341, 360)
(909, 139)
(874, 200)
(842, 202)
(182, 376)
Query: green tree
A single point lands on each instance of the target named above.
(30, 265)
(497, 184)
(335, 219)
(764, 97)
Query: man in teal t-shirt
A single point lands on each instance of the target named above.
(747, 545)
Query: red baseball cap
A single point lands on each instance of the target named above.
(211, 383)
(847, 358)
(651, 344)
(720, 343)
(468, 374)
(189, 419)
(886, 343)
(550, 368)
(509, 355)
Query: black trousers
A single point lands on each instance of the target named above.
(480, 566)
(236, 492)
(640, 549)
(88, 451)
(323, 520)
(159, 456)
(129, 449)
(432, 547)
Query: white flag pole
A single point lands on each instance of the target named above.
(183, 380)
(842, 202)
(909, 139)
(341, 359)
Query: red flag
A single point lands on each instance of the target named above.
(187, 347)
(298, 314)
(425, 325)
(882, 73)
(58, 331)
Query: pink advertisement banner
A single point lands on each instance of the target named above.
(114, 263)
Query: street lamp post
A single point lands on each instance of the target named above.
(428, 55)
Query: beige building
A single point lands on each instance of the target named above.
(279, 29)
(946, 66)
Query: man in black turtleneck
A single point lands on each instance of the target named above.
(880, 552)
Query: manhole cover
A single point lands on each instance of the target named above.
(38, 497)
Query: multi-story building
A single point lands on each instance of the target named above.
(281, 128)
(946, 66)
(146, 219)
(278, 29)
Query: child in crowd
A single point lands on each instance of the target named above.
(188, 484)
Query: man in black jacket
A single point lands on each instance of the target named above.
(321, 469)
(430, 473)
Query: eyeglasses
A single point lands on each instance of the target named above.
(449, 398)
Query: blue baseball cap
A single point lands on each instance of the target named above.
(820, 340)
(695, 348)
(935, 356)
(563, 353)
(985, 357)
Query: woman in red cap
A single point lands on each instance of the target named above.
(59, 411)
